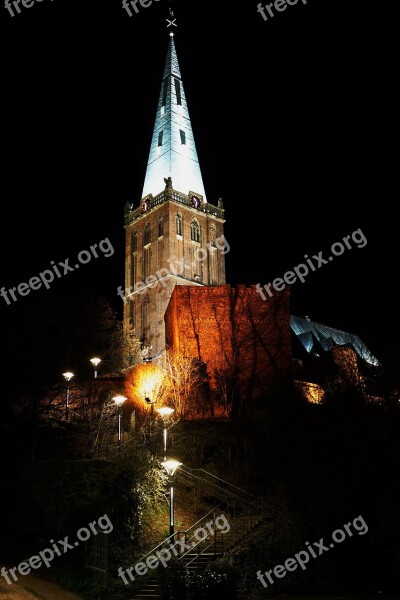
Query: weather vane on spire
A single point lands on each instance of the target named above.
(172, 20)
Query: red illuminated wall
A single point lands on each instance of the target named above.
(233, 331)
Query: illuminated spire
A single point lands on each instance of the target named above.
(173, 150)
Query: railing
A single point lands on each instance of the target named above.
(220, 489)
(220, 483)
(152, 202)
(216, 543)
(175, 538)
(239, 527)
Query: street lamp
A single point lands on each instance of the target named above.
(152, 403)
(171, 466)
(165, 412)
(67, 376)
(95, 362)
(119, 400)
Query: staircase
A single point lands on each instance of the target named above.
(243, 512)
(150, 590)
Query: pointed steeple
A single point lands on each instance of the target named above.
(171, 64)
(173, 150)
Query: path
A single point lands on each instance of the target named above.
(30, 587)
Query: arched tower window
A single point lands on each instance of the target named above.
(213, 233)
(134, 242)
(195, 231)
(147, 234)
(132, 314)
(160, 226)
(178, 224)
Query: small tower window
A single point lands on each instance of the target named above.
(213, 233)
(134, 242)
(133, 314)
(160, 226)
(134, 262)
(160, 138)
(183, 137)
(147, 234)
(146, 262)
(178, 91)
(178, 224)
(195, 231)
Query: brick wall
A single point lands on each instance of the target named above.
(234, 332)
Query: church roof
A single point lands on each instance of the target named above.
(173, 150)
(312, 335)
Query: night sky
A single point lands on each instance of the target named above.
(293, 122)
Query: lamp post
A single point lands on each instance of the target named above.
(171, 466)
(95, 362)
(165, 412)
(152, 403)
(119, 400)
(67, 376)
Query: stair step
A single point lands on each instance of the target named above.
(143, 595)
(149, 588)
(241, 527)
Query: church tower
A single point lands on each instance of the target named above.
(174, 237)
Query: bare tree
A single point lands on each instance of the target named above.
(125, 348)
(183, 375)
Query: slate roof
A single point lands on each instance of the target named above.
(314, 336)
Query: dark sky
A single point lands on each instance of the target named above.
(293, 120)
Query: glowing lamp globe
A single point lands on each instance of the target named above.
(165, 411)
(171, 466)
(119, 400)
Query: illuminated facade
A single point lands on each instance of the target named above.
(172, 236)
(244, 341)
(326, 357)
(175, 278)
(318, 338)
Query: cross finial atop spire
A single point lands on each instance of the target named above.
(171, 21)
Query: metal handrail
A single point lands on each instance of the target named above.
(223, 480)
(204, 517)
(168, 539)
(229, 493)
(214, 543)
